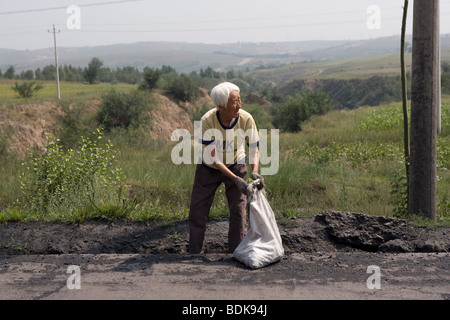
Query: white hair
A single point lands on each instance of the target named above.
(221, 93)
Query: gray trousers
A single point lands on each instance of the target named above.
(205, 185)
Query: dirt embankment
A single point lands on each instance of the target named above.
(25, 125)
(169, 115)
(326, 232)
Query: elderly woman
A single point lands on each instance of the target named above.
(225, 129)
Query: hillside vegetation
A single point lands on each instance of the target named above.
(352, 83)
(104, 150)
(347, 160)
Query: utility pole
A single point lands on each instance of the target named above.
(424, 101)
(56, 62)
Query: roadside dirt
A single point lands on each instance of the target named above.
(25, 125)
(328, 231)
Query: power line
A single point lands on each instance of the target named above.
(65, 7)
(16, 31)
(335, 14)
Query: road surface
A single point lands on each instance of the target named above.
(339, 275)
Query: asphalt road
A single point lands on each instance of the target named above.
(340, 275)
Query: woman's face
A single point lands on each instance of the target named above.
(234, 105)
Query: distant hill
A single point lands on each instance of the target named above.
(187, 57)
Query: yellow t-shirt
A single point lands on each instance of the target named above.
(229, 141)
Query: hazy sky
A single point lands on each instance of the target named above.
(24, 24)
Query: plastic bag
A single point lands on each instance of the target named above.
(262, 245)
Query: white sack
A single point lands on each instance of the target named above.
(262, 245)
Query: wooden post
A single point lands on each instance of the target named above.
(422, 184)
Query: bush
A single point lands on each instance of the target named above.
(59, 183)
(399, 193)
(262, 119)
(122, 109)
(184, 89)
(74, 122)
(27, 89)
(297, 109)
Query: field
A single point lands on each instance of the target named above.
(343, 161)
(354, 68)
(69, 90)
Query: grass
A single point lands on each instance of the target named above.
(363, 152)
(355, 68)
(318, 165)
(344, 160)
(74, 91)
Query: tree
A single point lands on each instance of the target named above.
(167, 69)
(49, 72)
(72, 74)
(106, 75)
(231, 74)
(91, 73)
(27, 75)
(209, 73)
(128, 74)
(9, 73)
(38, 74)
(151, 77)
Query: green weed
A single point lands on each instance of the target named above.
(59, 181)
